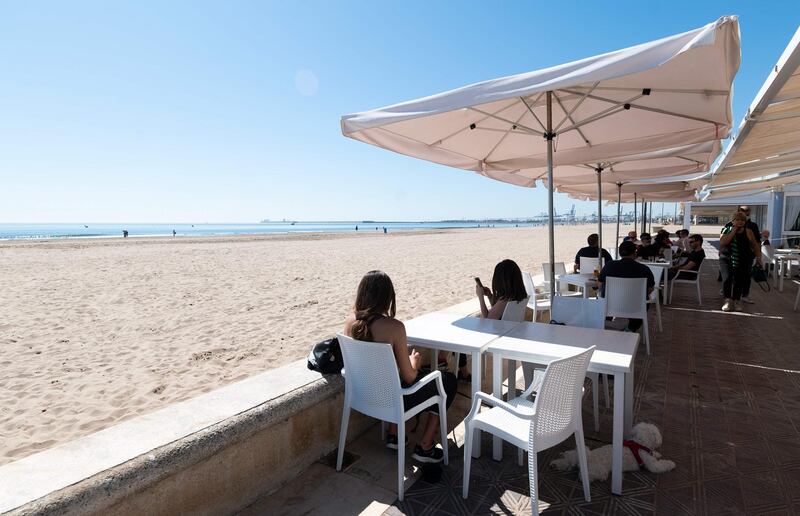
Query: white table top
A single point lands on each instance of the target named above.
(578, 279)
(787, 252)
(542, 343)
(454, 332)
(660, 264)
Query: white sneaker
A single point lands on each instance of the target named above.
(747, 300)
(728, 306)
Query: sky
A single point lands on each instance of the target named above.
(192, 111)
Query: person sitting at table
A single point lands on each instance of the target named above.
(627, 267)
(682, 240)
(647, 249)
(662, 241)
(373, 320)
(631, 237)
(693, 259)
(590, 251)
(507, 285)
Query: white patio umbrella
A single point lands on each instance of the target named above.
(664, 94)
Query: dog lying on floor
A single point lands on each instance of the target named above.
(637, 452)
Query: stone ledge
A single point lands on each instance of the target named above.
(121, 467)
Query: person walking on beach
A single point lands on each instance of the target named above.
(124, 233)
(738, 246)
(174, 232)
(373, 320)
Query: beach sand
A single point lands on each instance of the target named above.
(97, 331)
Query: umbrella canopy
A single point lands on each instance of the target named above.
(610, 192)
(769, 135)
(664, 94)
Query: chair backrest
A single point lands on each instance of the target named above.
(625, 297)
(657, 271)
(558, 402)
(674, 248)
(588, 265)
(371, 380)
(515, 310)
(668, 255)
(577, 311)
(527, 280)
(561, 269)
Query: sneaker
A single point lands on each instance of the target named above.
(746, 299)
(728, 306)
(391, 441)
(429, 456)
(738, 306)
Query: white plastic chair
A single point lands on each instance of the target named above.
(534, 302)
(533, 426)
(627, 297)
(668, 255)
(691, 277)
(588, 265)
(515, 311)
(584, 313)
(563, 288)
(655, 297)
(372, 387)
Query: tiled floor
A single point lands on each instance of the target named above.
(723, 387)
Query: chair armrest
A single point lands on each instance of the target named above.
(482, 397)
(428, 378)
(538, 377)
(686, 271)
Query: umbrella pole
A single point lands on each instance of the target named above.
(650, 216)
(619, 212)
(551, 226)
(635, 207)
(599, 170)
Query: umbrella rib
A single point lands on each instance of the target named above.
(442, 140)
(534, 114)
(658, 90)
(502, 139)
(519, 126)
(652, 109)
(423, 143)
(569, 115)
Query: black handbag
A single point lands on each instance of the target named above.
(760, 276)
(326, 357)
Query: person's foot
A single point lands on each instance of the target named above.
(738, 306)
(429, 456)
(728, 306)
(746, 299)
(391, 441)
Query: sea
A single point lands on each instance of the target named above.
(90, 230)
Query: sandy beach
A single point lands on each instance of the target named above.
(97, 331)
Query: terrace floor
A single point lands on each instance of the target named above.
(723, 387)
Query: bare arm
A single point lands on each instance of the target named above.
(407, 363)
(726, 238)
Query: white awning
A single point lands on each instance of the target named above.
(769, 135)
(756, 185)
(663, 94)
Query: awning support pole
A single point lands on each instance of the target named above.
(635, 208)
(599, 171)
(551, 226)
(619, 213)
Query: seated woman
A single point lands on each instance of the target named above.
(373, 320)
(507, 285)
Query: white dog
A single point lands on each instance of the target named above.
(645, 438)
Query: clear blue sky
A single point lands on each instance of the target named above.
(229, 111)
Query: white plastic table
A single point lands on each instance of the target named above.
(584, 281)
(455, 332)
(542, 343)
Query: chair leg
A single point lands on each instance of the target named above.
(533, 479)
(467, 457)
(658, 313)
(401, 458)
(646, 333)
(605, 388)
(443, 429)
(342, 436)
(580, 446)
(671, 291)
(699, 299)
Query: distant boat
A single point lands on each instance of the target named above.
(293, 223)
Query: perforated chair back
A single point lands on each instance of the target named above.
(588, 265)
(626, 297)
(515, 310)
(576, 311)
(668, 255)
(527, 280)
(558, 402)
(561, 269)
(371, 380)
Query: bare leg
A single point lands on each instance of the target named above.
(431, 429)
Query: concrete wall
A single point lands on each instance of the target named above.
(220, 469)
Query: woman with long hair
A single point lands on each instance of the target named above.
(373, 320)
(507, 285)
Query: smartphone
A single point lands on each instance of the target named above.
(478, 282)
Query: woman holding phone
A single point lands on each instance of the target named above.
(738, 246)
(507, 285)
